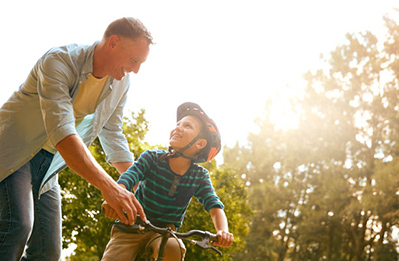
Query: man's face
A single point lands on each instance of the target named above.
(127, 56)
(186, 130)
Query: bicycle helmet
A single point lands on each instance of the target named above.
(210, 131)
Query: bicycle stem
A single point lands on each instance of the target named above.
(162, 247)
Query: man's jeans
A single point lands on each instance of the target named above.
(26, 220)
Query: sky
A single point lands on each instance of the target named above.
(227, 56)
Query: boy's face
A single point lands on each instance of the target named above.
(186, 130)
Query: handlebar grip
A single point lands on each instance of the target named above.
(213, 238)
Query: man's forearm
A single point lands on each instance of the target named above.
(80, 160)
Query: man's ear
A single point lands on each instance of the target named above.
(201, 143)
(113, 41)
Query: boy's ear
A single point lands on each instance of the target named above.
(201, 143)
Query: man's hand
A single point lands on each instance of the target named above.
(80, 160)
(122, 204)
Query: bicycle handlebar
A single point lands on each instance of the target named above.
(141, 227)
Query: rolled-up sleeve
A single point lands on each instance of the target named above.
(54, 77)
(206, 194)
(112, 139)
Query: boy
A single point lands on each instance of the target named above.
(168, 180)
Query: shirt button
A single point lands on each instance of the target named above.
(11, 170)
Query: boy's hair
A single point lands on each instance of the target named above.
(128, 27)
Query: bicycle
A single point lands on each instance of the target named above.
(146, 253)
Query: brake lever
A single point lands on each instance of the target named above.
(138, 227)
(216, 250)
(204, 244)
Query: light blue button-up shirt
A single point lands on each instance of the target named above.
(42, 109)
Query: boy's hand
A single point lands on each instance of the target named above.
(225, 239)
(108, 211)
(126, 208)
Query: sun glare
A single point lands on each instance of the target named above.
(283, 117)
(283, 112)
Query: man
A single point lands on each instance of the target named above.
(73, 94)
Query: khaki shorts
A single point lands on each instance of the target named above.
(125, 246)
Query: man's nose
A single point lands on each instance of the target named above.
(135, 68)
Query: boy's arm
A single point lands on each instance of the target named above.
(121, 166)
(105, 208)
(225, 238)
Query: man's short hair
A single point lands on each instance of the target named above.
(128, 27)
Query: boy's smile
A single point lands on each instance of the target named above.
(186, 130)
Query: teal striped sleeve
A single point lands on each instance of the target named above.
(136, 172)
(206, 194)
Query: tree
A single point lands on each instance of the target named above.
(276, 189)
(327, 190)
(355, 109)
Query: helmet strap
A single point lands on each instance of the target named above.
(175, 154)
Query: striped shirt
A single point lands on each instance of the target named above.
(164, 195)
